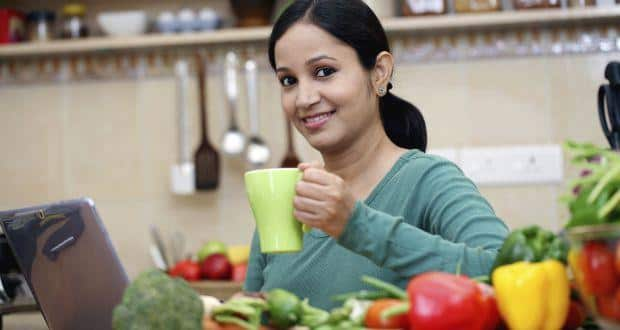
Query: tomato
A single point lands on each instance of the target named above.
(373, 315)
(600, 269)
(186, 269)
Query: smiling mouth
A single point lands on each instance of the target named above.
(318, 120)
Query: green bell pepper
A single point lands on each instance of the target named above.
(532, 244)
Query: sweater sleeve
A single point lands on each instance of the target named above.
(456, 228)
(254, 276)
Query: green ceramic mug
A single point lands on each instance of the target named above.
(271, 193)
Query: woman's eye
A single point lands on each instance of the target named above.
(324, 72)
(287, 81)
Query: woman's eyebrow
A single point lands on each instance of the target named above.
(318, 58)
(282, 68)
(308, 62)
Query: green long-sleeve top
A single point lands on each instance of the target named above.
(424, 215)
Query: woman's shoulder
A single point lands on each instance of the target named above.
(419, 162)
(418, 166)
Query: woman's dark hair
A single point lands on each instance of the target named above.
(354, 23)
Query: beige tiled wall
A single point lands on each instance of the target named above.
(115, 141)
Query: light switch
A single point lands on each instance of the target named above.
(535, 164)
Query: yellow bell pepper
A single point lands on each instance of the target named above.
(532, 296)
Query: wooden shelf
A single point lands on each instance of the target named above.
(541, 17)
(397, 25)
(103, 44)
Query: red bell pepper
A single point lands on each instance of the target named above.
(446, 301)
(489, 307)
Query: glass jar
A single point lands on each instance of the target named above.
(536, 4)
(475, 6)
(582, 3)
(424, 7)
(40, 25)
(74, 25)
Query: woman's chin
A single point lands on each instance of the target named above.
(324, 144)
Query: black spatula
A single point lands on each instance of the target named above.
(207, 160)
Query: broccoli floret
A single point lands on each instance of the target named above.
(156, 301)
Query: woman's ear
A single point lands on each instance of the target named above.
(382, 72)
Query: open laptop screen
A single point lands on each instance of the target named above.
(68, 261)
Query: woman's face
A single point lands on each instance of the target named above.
(326, 93)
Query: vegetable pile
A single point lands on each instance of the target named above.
(531, 270)
(528, 286)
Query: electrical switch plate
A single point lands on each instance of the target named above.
(447, 153)
(535, 164)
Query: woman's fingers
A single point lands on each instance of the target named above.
(307, 205)
(318, 176)
(307, 218)
(310, 190)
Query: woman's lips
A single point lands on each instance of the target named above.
(317, 121)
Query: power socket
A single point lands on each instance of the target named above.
(514, 165)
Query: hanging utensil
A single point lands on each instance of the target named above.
(183, 173)
(610, 95)
(177, 244)
(257, 153)
(159, 244)
(233, 141)
(206, 158)
(157, 258)
(290, 159)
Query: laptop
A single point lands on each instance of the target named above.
(68, 261)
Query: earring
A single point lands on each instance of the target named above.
(381, 91)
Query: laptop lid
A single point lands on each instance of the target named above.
(69, 262)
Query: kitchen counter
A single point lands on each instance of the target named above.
(26, 321)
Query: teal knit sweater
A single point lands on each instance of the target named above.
(424, 215)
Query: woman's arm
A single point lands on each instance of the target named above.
(254, 277)
(457, 227)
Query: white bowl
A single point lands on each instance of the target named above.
(123, 23)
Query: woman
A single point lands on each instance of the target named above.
(379, 205)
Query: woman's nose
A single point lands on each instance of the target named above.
(307, 96)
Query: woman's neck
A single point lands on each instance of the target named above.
(365, 161)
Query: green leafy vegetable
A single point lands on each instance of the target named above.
(594, 197)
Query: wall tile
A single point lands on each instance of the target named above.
(31, 169)
(103, 156)
(438, 91)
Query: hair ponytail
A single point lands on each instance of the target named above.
(354, 23)
(403, 122)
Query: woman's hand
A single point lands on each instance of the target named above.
(323, 200)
